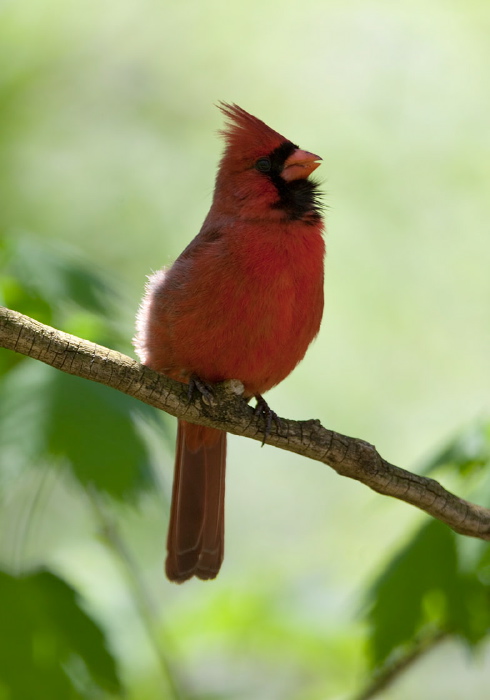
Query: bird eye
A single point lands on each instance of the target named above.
(263, 165)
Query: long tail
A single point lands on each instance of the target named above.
(195, 541)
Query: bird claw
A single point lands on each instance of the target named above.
(204, 388)
(263, 409)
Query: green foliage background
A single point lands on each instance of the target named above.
(107, 161)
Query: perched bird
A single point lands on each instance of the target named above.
(243, 301)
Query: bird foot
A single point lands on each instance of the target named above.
(263, 409)
(204, 388)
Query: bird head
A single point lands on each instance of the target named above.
(262, 174)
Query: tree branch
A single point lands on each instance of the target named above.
(349, 457)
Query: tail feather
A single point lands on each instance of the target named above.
(196, 532)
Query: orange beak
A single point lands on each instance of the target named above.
(299, 165)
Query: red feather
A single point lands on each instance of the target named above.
(243, 301)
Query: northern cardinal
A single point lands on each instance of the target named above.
(243, 301)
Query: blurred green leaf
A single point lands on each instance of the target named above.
(25, 299)
(49, 646)
(467, 453)
(23, 417)
(56, 274)
(15, 295)
(94, 428)
(424, 588)
(472, 618)
(46, 414)
(427, 563)
(56, 286)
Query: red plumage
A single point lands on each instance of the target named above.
(243, 301)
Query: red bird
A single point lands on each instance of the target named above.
(243, 301)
